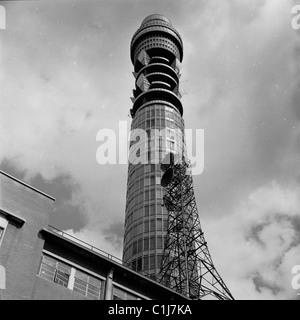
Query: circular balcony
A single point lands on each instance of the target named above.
(159, 84)
(159, 68)
(157, 94)
(159, 76)
(158, 59)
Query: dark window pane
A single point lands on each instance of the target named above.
(152, 262)
(146, 262)
(139, 264)
(152, 243)
(146, 243)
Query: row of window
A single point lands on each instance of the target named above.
(155, 137)
(144, 181)
(143, 168)
(151, 157)
(145, 244)
(145, 193)
(158, 123)
(146, 197)
(78, 281)
(141, 155)
(140, 181)
(120, 294)
(159, 113)
(81, 282)
(155, 40)
(146, 262)
(144, 208)
(155, 22)
(142, 142)
(156, 144)
(143, 227)
(144, 212)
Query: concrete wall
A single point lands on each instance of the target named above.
(21, 248)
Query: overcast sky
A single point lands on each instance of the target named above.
(65, 74)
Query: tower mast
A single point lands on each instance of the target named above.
(166, 243)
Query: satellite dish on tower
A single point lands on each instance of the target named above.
(167, 162)
(167, 178)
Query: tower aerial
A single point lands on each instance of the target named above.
(163, 237)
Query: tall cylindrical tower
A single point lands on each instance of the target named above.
(163, 236)
(156, 52)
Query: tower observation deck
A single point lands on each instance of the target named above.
(157, 130)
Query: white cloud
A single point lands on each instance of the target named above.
(258, 243)
(97, 240)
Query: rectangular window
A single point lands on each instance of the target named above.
(165, 225)
(152, 209)
(87, 285)
(146, 244)
(159, 258)
(140, 246)
(152, 180)
(3, 226)
(152, 262)
(134, 247)
(147, 182)
(62, 274)
(139, 229)
(146, 262)
(120, 294)
(157, 193)
(133, 265)
(159, 224)
(152, 194)
(146, 195)
(159, 243)
(139, 264)
(152, 225)
(55, 271)
(1, 233)
(152, 243)
(146, 211)
(158, 208)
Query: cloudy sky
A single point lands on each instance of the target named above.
(65, 74)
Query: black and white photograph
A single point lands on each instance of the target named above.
(150, 150)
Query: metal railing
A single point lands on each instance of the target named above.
(95, 249)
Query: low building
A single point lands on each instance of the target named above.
(39, 262)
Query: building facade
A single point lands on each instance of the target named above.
(157, 128)
(39, 262)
